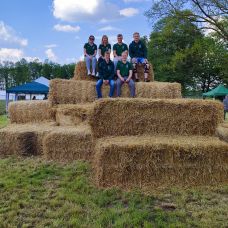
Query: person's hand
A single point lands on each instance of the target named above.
(128, 79)
(105, 82)
(122, 79)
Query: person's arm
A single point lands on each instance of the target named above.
(130, 73)
(114, 50)
(112, 74)
(95, 52)
(99, 52)
(131, 51)
(101, 72)
(85, 53)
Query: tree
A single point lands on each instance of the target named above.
(181, 53)
(171, 36)
(208, 14)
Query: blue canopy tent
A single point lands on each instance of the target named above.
(27, 88)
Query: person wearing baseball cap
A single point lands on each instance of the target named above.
(90, 52)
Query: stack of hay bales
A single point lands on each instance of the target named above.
(80, 72)
(154, 140)
(74, 92)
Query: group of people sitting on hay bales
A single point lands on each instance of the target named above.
(120, 66)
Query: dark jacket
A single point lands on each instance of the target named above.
(106, 70)
(137, 50)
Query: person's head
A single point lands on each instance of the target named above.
(124, 55)
(104, 39)
(91, 39)
(136, 37)
(107, 55)
(119, 38)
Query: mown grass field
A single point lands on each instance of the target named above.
(37, 193)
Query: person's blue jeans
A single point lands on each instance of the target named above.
(131, 85)
(99, 86)
(88, 63)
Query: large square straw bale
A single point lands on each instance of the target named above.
(73, 114)
(69, 143)
(119, 117)
(24, 139)
(160, 161)
(30, 111)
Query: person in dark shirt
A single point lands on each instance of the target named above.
(225, 103)
(106, 75)
(90, 52)
(103, 47)
(138, 54)
(124, 73)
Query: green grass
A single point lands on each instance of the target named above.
(3, 121)
(2, 107)
(36, 193)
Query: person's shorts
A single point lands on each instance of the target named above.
(138, 60)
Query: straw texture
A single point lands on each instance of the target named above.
(159, 161)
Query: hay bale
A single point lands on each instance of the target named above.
(140, 70)
(222, 132)
(80, 72)
(69, 115)
(73, 92)
(69, 143)
(160, 161)
(24, 139)
(119, 117)
(30, 111)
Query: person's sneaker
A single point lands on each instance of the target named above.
(146, 80)
(94, 74)
(89, 73)
(136, 80)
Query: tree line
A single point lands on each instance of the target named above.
(17, 73)
(179, 47)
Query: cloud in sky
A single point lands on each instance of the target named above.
(66, 28)
(109, 28)
(51, 55)
(129, 12)
(9, 36)
(90, 10)
(10, 54)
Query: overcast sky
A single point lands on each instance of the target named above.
(58, 29)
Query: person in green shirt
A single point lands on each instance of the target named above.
(118, 49)
(90, 52)
(124, 73)
(138, 54)
(103, 47)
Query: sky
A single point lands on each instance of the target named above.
(58, 29)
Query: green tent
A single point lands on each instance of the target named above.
(219, 91)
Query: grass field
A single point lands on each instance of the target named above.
(36, 193)
(3, 121)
